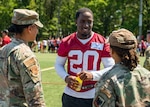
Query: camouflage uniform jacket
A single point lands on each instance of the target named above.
(147, 60)
(23, 77)
(121, 88)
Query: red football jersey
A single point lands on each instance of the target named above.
(6, 40)
(83, 56)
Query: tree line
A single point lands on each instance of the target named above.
(58, 16)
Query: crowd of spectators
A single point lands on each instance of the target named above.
(43, 46)
(46, 45)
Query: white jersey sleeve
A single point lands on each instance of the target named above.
(60, 66)
(108, 63)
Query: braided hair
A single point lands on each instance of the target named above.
(129, 57)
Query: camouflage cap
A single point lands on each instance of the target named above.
(25, 17)
(123, 38)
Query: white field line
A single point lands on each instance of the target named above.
(52, 83)
(50, 68)
(46, 69)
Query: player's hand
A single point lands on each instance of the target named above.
(85, 76)
(71, 81)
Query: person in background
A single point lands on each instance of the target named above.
(39, 46)
(147, 52)
(143, 47)
(127, 84)
(45, 46)
(49, 44)
(53, 44)
(23, 76)
(84, 50)
(5, 38)
(58, 42)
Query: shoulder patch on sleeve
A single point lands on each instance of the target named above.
(99, 101)
(34, 69)
(29, 62)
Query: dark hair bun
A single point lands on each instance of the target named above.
(12, 28)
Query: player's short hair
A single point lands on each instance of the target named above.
(82, 10)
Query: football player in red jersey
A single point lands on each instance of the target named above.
(83, 50)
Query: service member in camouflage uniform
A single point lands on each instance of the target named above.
(22, 81)
(127, 84)
(147, 52)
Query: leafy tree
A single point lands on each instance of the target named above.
(58, 16)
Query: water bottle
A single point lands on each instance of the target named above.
(80, 83)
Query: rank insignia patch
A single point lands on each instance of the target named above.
(99, 101)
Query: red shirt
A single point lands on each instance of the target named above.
(6, 40)
(84, 56)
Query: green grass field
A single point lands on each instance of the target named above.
(53, 85)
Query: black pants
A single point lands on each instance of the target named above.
(69, 101)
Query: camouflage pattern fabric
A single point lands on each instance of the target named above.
(23, 77)
(25, 17)
(122, 88)
(147, 59)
